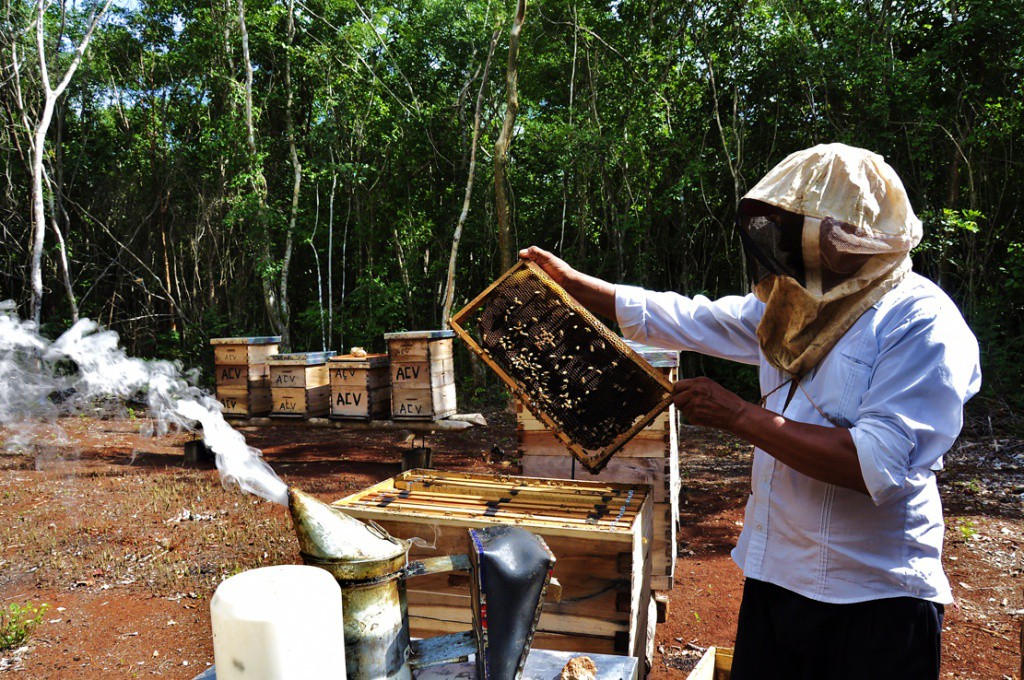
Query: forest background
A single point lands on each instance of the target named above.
(331, 170)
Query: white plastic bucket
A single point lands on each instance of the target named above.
(278, 623)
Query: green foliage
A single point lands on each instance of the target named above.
(481, 395)
(967, 529)
(640, 125)
(17, 622)
(374, 308)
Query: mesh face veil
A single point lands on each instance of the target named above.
(772, 239)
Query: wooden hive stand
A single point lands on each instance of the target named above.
(599, 533)
(360, 387)
(422, 375)
(243, 375)
(651, 457)
(300, 385)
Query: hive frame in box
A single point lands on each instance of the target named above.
(594, 462)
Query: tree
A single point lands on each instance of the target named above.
(505, 139)
(39, 131)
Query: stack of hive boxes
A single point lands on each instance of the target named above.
(651, 457)
(300, 385)
(243, 375)
(422, 374)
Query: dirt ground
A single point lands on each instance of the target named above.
(125, 543)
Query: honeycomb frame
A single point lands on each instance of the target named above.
(536, 396)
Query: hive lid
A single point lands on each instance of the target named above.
(365, 361)
(253, 340)
(301, 358)
(420, 335)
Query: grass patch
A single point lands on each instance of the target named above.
(17, 622)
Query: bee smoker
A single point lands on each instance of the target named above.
(510, 569)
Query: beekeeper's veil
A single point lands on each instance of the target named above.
(829, 232)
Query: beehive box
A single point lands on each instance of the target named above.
(360, 386)
(650, 457)
(422, 375)
(300, 385)
(598, 532)
(243, 375)
(246, 401)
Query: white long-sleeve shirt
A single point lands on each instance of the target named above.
(898, 379)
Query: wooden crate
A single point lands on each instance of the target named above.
(650, 457)
(598, 532)
(422, 375)
(360, 387)
(245, 401)
(300, 385)
(715, 664)
(242, 374)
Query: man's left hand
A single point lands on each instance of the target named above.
(707, 404)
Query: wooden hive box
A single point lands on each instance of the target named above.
(300, 385)
(243, 375)
(715, 664)
(422, 375)
(598, 532)
(651, 457)
(360, 386)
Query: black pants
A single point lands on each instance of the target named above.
(790, 637)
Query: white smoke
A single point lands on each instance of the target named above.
(85, 371)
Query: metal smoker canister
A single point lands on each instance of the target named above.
(374, 608)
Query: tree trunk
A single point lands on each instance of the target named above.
(259, 186)
(50, 96)
(38, 216)
(449, 290)
(319, 275)
(505, 140)
(286, 261)
(403, 271)
(330, 257)
(734, 166)
(65, 268)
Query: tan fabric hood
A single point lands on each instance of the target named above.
(858, 230)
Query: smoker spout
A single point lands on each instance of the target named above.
(367, 563)
(326, 533)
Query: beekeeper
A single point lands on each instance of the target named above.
(864, 369)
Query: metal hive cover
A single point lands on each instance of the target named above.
(574, 374)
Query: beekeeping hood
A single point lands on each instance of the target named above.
(828, 232)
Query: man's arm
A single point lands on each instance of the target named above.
(593, 293)
(824, 453)
(827, 454)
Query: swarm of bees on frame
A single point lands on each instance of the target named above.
(564, 364)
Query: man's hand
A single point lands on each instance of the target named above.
(824, 453)
(707, 404)
(596, 295)
(555, 267)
